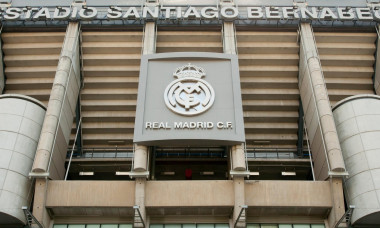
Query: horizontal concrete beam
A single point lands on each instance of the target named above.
(288, 194)
(305, 194)
(90, 194)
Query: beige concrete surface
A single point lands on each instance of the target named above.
(20, 125)
(318, 114)
(111, 70)
(189, 193)
(56, 129)
(358, 125)
(268, 63)
(90, 194)
(288, 194)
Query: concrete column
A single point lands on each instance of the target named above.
(149, 46)
(141, 152)
(140, 159)
(39, 209)
(377, 73)
(2, 76)
(140, 200)
(239, 194)
(238, 158)
(229, 42)
(318, 114)
(56, 128)
(237, 151)
(338, 210)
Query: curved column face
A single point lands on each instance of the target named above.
(21, 120)
(357, 119)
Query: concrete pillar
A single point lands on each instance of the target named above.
(140, 200)
(237, 151)
(238, 158)
(229, 42)
(140, 159)
(239, 201)
(39, 209)
(2, 76)
(141, 152)
(338, 210)
(149, 46)
(377, 73)
(56, 128)
(319, 118)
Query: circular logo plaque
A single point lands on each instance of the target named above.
(189, 95)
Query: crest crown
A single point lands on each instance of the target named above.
(189, 71)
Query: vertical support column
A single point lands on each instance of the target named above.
(338, 210)
(149, 45)
(316, 104)
(320, 122)
(39, 210)
(2, 76)
(229, 42)
(56, 128)
(141, 152)
(237, 152)
(376, 80)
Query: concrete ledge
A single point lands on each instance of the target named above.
(189, 193)
(90, 194)
(288, 194)
(219, 193)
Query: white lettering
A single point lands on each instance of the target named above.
(114, 13)
(132, 13)
(255, 12)
(364, 14)
(42, 14)
(272, 13)
(191, 13)
(229, 13)
(345, 15)
(168, 10)
(88, 13)
(148, 10)
(209, 12)
(306, 14)
(12, 14)
(289, 13)
(327, 14)
(62, 13)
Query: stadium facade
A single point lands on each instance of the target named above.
(174, 113)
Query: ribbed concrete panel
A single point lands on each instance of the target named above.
(21, 120)
(324, 143)
(357, 119)
(111, 63)
(189, 41)
(30, 62)
(56, 130)
(268, 64)
(347, 61)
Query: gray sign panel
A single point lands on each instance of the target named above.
(189, 99)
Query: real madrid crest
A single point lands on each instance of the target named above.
(189, 95)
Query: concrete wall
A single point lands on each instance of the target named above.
(90, 194)
(189, 193)
(288, 194)
(20, 126)
(300, 194)
(357, 119)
